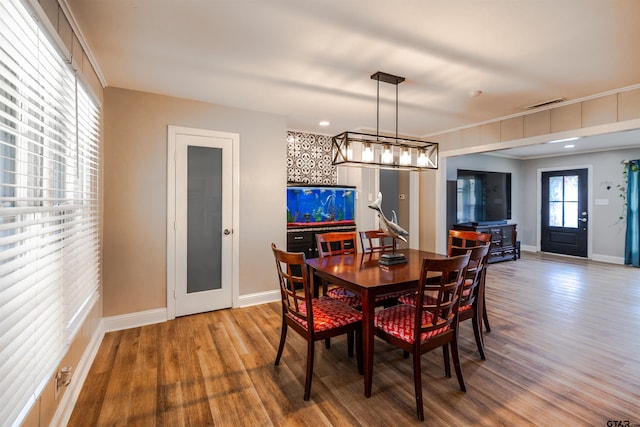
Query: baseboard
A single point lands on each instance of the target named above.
(259, 298)
(134, 320)
(594, 257)
(149, 317)
(608, 258)
(70, 397)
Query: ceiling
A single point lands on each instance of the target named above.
(590, 144)
(312, 60)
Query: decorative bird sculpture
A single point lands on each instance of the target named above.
(389, 227)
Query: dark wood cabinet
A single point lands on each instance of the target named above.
(503, 239)
(304, 239)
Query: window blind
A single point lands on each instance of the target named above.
(49, 209)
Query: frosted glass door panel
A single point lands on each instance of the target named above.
(204, 219)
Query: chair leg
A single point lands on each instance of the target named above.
(477, 331)
(456, 362)
(327, 343)
(307, 382)
(283, 337)
(350, 343)
(447, 364)
(484, 314)
(405, 354)
(417, 380)
(359, 355)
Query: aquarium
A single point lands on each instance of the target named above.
(313, 206)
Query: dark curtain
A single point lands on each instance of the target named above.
(632, 238)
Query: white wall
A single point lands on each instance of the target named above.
(607, 230)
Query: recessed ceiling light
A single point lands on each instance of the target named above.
(324, 123)
(563, 140)
(569, 146)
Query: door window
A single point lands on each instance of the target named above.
(563, 201)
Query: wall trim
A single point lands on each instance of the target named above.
(594, 257)
(70, 396)
(259, 298)
(159, 315)
(134, 320)
(608, 259)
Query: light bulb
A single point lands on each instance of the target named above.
(387, 154)
(422, 158)
(367, 152)
(405, 157)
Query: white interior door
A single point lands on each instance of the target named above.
(203, 207)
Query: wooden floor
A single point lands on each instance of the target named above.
(564, 350)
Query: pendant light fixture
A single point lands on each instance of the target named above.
(386, 152)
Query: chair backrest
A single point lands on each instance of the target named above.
(337, 243)
(478, 259)
(376, 241)
(443, 294)
(295, 287)
(467, 238)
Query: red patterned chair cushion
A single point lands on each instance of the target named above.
(410, 299)
(465, 308)
(352, 299)
(346, 296)
(329, 313)
(399, 321)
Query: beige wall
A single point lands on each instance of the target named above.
(135, 191)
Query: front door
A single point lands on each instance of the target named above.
(564, 224)
(203, 221)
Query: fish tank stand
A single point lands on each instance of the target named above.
(304, 239)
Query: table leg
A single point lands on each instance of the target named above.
(368, 311)
(315, 282)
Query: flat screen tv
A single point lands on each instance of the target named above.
(319, 205)
(483, 197)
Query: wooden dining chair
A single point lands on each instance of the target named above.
(428, 325)
(314, 319)
(341, 243)
(338, 243)
(472, 294)
(472, 297)
(467, 238)
(377, 241)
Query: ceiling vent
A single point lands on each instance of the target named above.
(545, 103)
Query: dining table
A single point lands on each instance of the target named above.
(362, 274)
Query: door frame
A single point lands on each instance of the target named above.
(539, 172)
(172, 132)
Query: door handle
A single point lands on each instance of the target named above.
(583, 219)
(226, 231)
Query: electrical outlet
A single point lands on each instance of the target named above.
(56, 386)
(62, 379)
